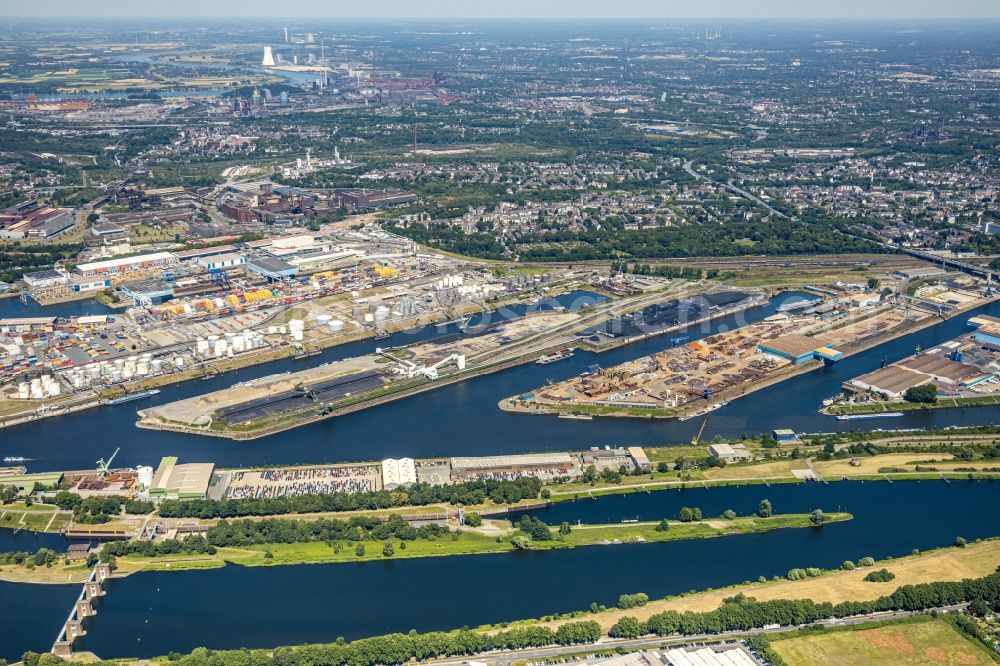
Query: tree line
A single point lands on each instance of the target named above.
(738, 613)
(419, 494)
(279, 530)
(741, 613)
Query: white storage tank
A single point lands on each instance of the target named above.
(369, 317)
(179, 361)
(381, 313)
(144, 475)
(336, 325)
(323, 319)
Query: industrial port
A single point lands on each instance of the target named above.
(690, 378)
(270, 404)
(199, 312)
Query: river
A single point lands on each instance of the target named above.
(463, 418)
(152, 613)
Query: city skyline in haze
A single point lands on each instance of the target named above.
(734, 9)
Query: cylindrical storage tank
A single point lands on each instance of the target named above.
(23, 390)
(381, 313)
(283, 330)
(336, 325)
(144, 475)
(116, 376)
(369, 317)
(271, 330)
(323, 319)
(297, 335)
(179, 361)
(156, 364)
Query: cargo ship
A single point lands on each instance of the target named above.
(132, 396)
(560, 355)
(882, 415)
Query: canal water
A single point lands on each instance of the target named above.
(151, 614)
(463, 419)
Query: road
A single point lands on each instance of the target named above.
(736, 190)
(541, 654)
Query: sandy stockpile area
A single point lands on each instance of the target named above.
(190, 410)
(880, 323)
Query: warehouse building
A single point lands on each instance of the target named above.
(987, 331)
(730, 452)
(221, 262)
(398, 472)
(36, 223)
(892, 381)
(188, 481)
(44, 279)
(920, 272)
(126, 264)
(29, 483)
(945, 370)
(27, 324)
(272, 268)
(798, 349)
(89, 284)
(147, 292)
(529, 464)
(365, 198)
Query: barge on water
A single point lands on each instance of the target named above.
(853, 417)
(560, 355)
(132, 396)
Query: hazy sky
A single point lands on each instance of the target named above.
(511, 8)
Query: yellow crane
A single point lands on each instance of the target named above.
(694, 440)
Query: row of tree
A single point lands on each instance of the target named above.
(506, 491)
(280, 530)
(398, 648)
(95, 510)
(742, 613)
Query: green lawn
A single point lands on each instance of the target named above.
(467, 543)
(918, 643)
(34, 518)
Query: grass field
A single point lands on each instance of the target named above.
(467, 543)
(765, 470)
(871, 465)
(917, 643)
(35, 518)
(947, 564)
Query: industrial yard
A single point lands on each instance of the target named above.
(258, 407)
(201, 311)
(691, 377)
(962, 371)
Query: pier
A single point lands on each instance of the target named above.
(83, 608)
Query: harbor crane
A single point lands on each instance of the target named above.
(103, 467)
(697, 438)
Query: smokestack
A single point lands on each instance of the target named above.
(268, 60)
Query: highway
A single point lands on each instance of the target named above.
(736, 190)
(609, 644)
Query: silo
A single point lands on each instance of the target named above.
(144, 475)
